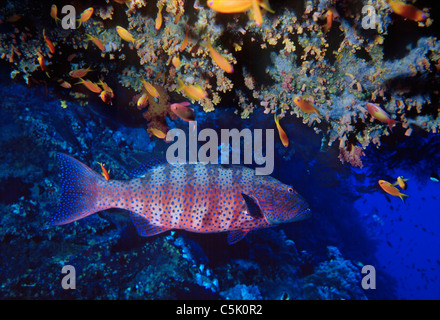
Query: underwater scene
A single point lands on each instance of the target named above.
(220, 150)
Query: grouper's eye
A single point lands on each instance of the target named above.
(290, 190)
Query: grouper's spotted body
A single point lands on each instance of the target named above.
(202, 198)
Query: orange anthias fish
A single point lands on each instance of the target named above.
(71, 57)
(257, 13)
(282, 134)
(329, 21)
(159, 18)
(65, 84)
(219, 59)
(49, 43)
(176, 62)
(379, 114)
(54, 13)
(150, 89)
(183, 111)
(14, 18)
(390, 189)
(306, 106)
(407, 10)
(401, 181)
(90, 85)
(106, 88)
(85, 15)
(96, 41)
(185, 41)
(189, 197)
(142, 101)
(42, 64)
(236, 6)
(194, 92)
(104, 173)
(125, 35)
(79, 73)
(157, 133)
(106, 97)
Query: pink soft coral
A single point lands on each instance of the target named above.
(157, 111)
(351, 154)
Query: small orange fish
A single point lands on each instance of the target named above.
(257, 13)
(85, 15)
(42, 63)
(105, 97)
(236, 6)
(306, 106)
(183, 111)
(150, 89)
(125, 35)
(79, 73)
(54, 13)
(157, 133)
(176, 62)
(106, 88)
(49, 43)
(281, 133)
(379, 114)
(194, 92)
(14, 18)
(329, 20)
(407, 10)
(65, 85)
(390, 189)
(401, 181)
(96, 41)
(159, 18)
(185, 41)
(142, 101)
(219, 59)
(90, 85)
(104, 173)
(177, 17)
(71, 57)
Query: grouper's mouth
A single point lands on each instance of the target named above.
(274, 216)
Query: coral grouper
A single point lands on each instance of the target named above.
(201, 198)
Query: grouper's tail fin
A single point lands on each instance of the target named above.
(82, 191)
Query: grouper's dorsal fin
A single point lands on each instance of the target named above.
(254, 209)
(236, 235)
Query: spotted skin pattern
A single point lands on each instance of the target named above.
(203, 198)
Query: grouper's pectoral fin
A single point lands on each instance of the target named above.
(144, 228)
(253, 207)
(237, 235)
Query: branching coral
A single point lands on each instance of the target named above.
(338, 70)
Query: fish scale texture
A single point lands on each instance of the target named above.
(201, 198)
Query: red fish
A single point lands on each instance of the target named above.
(183, 111)
(379, 114)
(203, 198)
